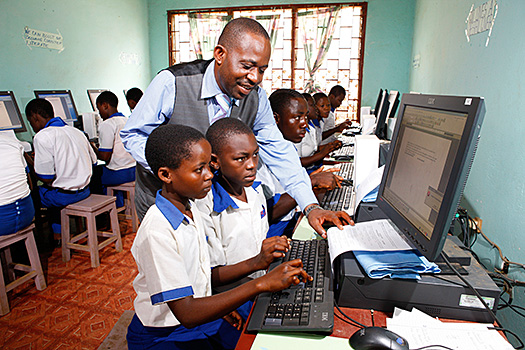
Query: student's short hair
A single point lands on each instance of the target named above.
(40, 106)
(280, 98)
(223, 130)
(107, 97)
(169, 144)
(337, 90)
(319, 95)
(308, 96)
(236, 28)
(134, 94)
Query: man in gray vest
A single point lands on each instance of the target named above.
(199, 92)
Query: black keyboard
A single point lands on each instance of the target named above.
(339, 198)
(308, 306)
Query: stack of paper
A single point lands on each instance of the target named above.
(421, 330)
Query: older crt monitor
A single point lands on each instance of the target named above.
(62, 102)
(427, 167)
(10, 117)
(93, 94)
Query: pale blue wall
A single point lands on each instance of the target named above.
(451, 65)
(388, 39)
(95, 34)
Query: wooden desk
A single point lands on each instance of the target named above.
(341, 328)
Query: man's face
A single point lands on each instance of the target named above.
(335, 101)
(240, 68)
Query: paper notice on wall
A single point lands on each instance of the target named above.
(45, 40)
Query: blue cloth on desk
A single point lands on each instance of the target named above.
(406, 264)
(371, 196)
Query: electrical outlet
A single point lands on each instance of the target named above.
(478, 222)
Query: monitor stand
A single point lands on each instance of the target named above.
(438, 295)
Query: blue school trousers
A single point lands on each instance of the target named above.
(56, 199)
(16, 216)
(117, 177)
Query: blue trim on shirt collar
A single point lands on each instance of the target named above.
(221, 199)
(170, 295)
(332, 109)
(210, 88)
(171, 212)
(316, 122)
(56, 121)
(118, 114)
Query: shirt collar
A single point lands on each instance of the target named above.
(118, 114)
(56, 121)
(171, 212)
(222, 199)
(316, 122)
(210, 88)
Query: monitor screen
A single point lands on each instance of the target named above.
(10, 117)
(62, 102)
(427, 167)
(381, 116)
(93, 94)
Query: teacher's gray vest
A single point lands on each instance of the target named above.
(191, 110)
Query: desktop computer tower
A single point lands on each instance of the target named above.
(444, 296)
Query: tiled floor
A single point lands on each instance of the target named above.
(80, 305)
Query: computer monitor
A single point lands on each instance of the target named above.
(378, 102)
(393, 99)
(10, 116)
(62, 101)
(381, 116)
(93, 94)
(427, 167)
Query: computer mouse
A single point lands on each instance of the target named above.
(377, 338)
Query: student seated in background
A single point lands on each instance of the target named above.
(63, 159)
(16, 206)
(310, 153)
(120, 165)
(174, 307)
(133, 96)
(291, 112)
(234, 212)
(336, 96)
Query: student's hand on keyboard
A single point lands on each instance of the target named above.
(283, 276)
(271, 249)
(325, 180)
(235, 319)
(317, 217)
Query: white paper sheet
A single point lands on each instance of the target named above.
(369, 183)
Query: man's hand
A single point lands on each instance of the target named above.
(272, 248)
(283, 276)
(317, 217)
(235, 319)
(325, 179)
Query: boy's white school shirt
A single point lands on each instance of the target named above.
(109, 138)
(173, 262)
(309, 143)
(234, 229)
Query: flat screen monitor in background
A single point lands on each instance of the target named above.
(378, 102)
(10, 116)
(393, 99)
(427, 167)
(62, 102)
(381, 116)
(93, 94)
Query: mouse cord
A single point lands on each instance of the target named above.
(433, 346)
(356, 324)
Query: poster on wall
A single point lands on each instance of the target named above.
(45, 40)
(481, 19)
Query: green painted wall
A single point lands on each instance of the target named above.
(388, 39)
(98, 37)
(449, 64)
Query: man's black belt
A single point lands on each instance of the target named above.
(70, 191)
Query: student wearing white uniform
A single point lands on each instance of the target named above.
(174, 306)
(63, 159)
(16, 206)
(235, 211)
(291, 111)
(120, 165)
(336, 96)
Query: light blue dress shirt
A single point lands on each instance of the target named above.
(156, 107)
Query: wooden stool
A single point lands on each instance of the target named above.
(89, 208)
(33, 271)
(129, 202)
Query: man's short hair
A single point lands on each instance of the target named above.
(280, 98)
(134, 94)
(169, 144)
(223, 130)
(236, 28)
(337, 90)
(40, 106)
(107, 97)
(319, 95)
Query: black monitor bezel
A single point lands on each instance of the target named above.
(459, 174)
(380, 130)
(48, 92)
(378, 101)
(17, 109)
(99, 91)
